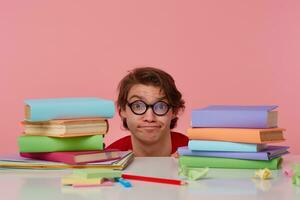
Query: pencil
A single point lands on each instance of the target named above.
(153, 179)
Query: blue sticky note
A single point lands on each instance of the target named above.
(124, 182)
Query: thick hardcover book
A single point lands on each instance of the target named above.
(235, 116)
(229, 163)
(67, 127)
(74, 157)
(209, 145)
(258, 136)
(267, 154)
(29, 143)
(67, 108)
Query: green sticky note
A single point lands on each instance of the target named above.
(97, 173)
(193, 173)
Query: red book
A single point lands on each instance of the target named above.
(75, 157)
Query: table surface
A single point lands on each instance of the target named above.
(219, 184)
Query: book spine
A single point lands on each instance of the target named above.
(200, 145)
(68, 109)
(232, 118)
(52, 144)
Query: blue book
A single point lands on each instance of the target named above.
(225, 116)
(269, 153)
(209, 145)
(68, 108)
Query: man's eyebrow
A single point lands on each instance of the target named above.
(139, 97)
(162, 98)
(135, 96)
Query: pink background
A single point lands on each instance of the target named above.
(219, 52)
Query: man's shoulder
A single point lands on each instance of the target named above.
(178, 140)
(122, 144)
(176, 135)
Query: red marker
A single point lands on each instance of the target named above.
(153, 179)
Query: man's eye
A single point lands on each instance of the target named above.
(137, 106)
(161, 106)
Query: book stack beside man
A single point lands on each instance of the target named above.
(68, 130)
(234, 137)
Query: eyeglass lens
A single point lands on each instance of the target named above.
(139, 107)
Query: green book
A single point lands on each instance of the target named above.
(230, 163)
(51, 144)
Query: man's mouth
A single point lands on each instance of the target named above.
(149, 126)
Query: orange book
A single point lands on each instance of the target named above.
(258, 136)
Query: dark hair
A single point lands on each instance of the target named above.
(154, 77)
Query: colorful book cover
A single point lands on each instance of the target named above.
(229, 163)
(74, 157)
(269, 153)
(68, 108)
(235, 116)
(268, 135)
(209, 145)
(29, 143)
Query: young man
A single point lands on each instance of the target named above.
(148, 104)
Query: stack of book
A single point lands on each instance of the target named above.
(68, 130)
(234, 137)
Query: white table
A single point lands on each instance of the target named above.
(220, 184)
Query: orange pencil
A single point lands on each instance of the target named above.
(153, 179)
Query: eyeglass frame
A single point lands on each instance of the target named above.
(147, 107)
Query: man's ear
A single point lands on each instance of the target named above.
(122, 113)
(174, 115)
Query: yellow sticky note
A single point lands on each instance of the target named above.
(74, 179)
(263, 174)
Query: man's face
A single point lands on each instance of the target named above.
(147, 128)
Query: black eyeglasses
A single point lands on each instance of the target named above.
(139, 107)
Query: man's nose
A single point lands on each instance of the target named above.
(149, 115)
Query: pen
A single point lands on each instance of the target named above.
(153, 179)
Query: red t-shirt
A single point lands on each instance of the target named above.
(124, 144)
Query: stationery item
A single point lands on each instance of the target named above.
(269, 153)
(208, 145)
(17, 162)
(296, 179)
(296, 174)
(67, 127)
(105, 183)
(97, 173)
(153, 179)
(235, 116)
(49, 144)
(193, 174)
(263, 174)
(67, 108)
(75, 157)
(194, 161)
(258, 136)
(124, 182)
(74, 179)
(288, 172)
